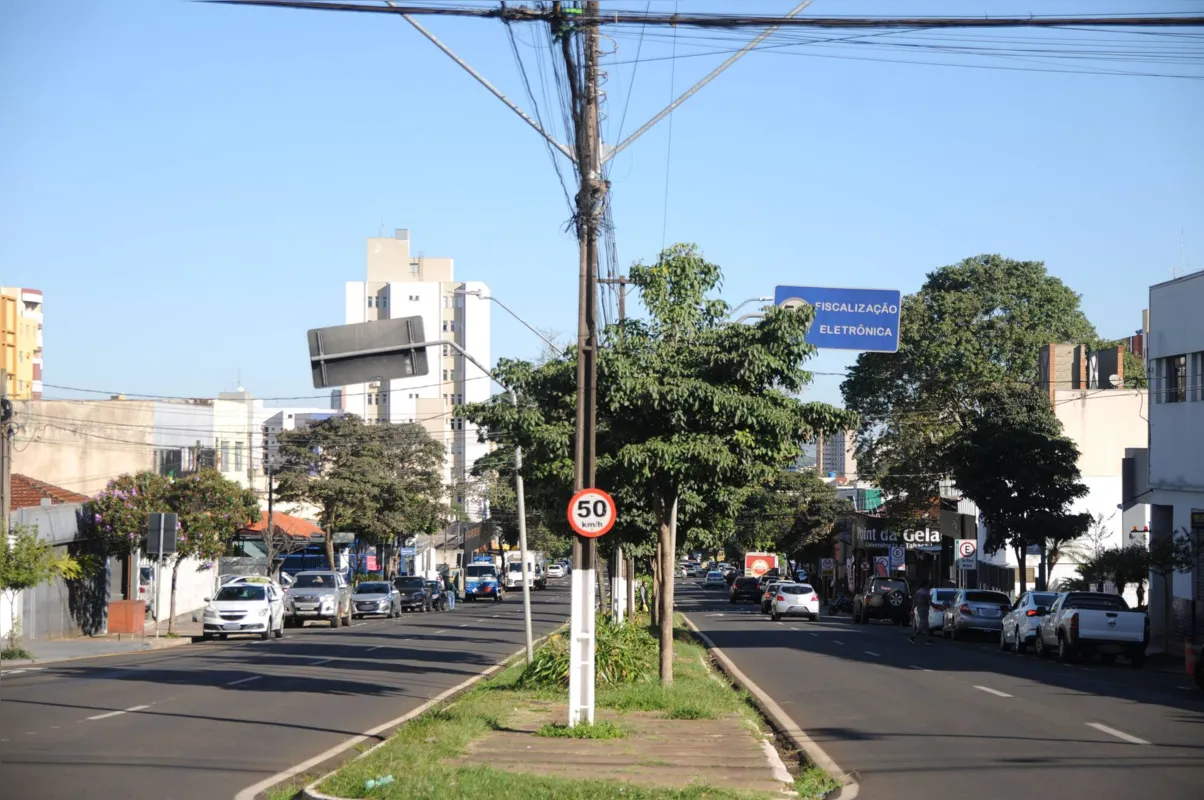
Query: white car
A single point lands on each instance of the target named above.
(794, 600)
(714, 580)
(233, 580)
(256, 608)
(555, 570)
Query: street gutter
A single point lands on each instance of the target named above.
(778, 719)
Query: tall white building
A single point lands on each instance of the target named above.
(837, 456)
(401, 284)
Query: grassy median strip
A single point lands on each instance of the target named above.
(429, 757)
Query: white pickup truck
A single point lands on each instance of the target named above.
(1093, 623)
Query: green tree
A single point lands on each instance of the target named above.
(975, 324)
(787, 514)
(1011, 459)
(378, 481)
(691, 411)
(119, 515)
(1176, 552)
(210, 509)
(25, 562)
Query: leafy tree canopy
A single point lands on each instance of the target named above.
(121, 513)
(975, 324)
(787, 514)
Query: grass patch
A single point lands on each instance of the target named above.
(602, 729)
(813, 784)
(15, 653)
(425, 759)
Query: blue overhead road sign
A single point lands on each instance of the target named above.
(848, 319)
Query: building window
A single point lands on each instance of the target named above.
(238, 456)
(371, 301)
(459, 399)
(369, 398)
(445, 376)
(452, 323)
(225, 448)
(415, 268)
(382, 301)
(445, 326)
(1175, 379)
(1197, 376)
(446, 351)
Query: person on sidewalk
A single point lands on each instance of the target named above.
(449, 592)
(921, 605)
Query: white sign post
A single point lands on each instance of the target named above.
(591, 514)
(898, 557)
(967, 558)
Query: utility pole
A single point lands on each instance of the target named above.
(6, 457)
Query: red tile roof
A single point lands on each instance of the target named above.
(28, 492)
(293, 526)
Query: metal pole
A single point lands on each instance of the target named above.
(6, 467)
(267, 546)
(522, 539)
(159, 578)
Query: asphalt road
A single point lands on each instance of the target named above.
(207, 720)
(960, 720)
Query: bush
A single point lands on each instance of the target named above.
(623, 653)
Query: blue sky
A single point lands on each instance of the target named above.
(191, 185)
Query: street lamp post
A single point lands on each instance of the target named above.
(746, 302)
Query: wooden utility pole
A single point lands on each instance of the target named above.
(6, 457)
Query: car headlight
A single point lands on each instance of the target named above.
(327, 601)
(210, 611)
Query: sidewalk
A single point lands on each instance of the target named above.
(50, 650)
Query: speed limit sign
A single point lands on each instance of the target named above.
(591, 513)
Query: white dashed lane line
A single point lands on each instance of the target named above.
(837, 641)
(244, 680)
(118, 713)
(872, 653)
(995, 692)
(1118, 734)
(322, 661)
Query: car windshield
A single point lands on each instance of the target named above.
(314, 580)
(944, 595)
(889, 585)
(746, 583)
(374, 587)
(1097, 601)
(795, 588)
(409, 583)
(480, 571)
(243, 591)
(996, 598)
(1044, 599)
(516, 566)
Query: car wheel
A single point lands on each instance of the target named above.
(267, 632)
(1065, 654)
(280, 630)
(1040, 648)
(1021, 646)
(1003, 641)
(775, 616)
(335, 621)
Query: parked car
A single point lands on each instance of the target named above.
(975, 610)
(1200, 666)
(414, 593)
(795, 600)
(691, 569)
(767, 594)
(556, 571)
(1020, 624)
(941, 598)
(884, 598)
(714, 580)
(438, 595)
(256, 608)
(318, 594)
(1093, 623)
(745, 590)
(376, 598)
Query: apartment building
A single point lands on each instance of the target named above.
(21, 341)
(401, 283)
(835, 455)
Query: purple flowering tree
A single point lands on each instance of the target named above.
(121, 512)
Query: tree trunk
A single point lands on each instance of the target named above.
(667, 548)
(655, 571)
(1021, 561)
(330, 541)
(171, 619)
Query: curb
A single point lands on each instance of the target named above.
(778, 718)
(310, 792)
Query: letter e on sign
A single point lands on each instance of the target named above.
(592, 513)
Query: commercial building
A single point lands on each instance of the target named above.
(835, 456)
(21, 341)
(1168, 476)
(402, 284)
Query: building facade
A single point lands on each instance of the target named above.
(401, 284)
(835, 456)
(1173, 485)
(21, 341)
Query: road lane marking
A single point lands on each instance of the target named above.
(244, 680)
(837, 641)
(442, 631)
(323, 661)
(794, 629)
(466, 624)
(995, 692)
(370, 649)
(812, 633)
(872, 653)
(118, 713)
(12, 672)
(1118, 734)
(921, 669)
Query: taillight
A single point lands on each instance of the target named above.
(814, 599)
(1074, 627)
(1032, 612)
(965, 609)
(781, 599)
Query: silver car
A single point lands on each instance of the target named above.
(975, 610)
(941, 598)
(318, 594)
(376, 598)
(1020, 624)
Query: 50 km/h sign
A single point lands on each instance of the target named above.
(592, 513)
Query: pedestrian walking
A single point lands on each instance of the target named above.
(449, 591)
(921, 605)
